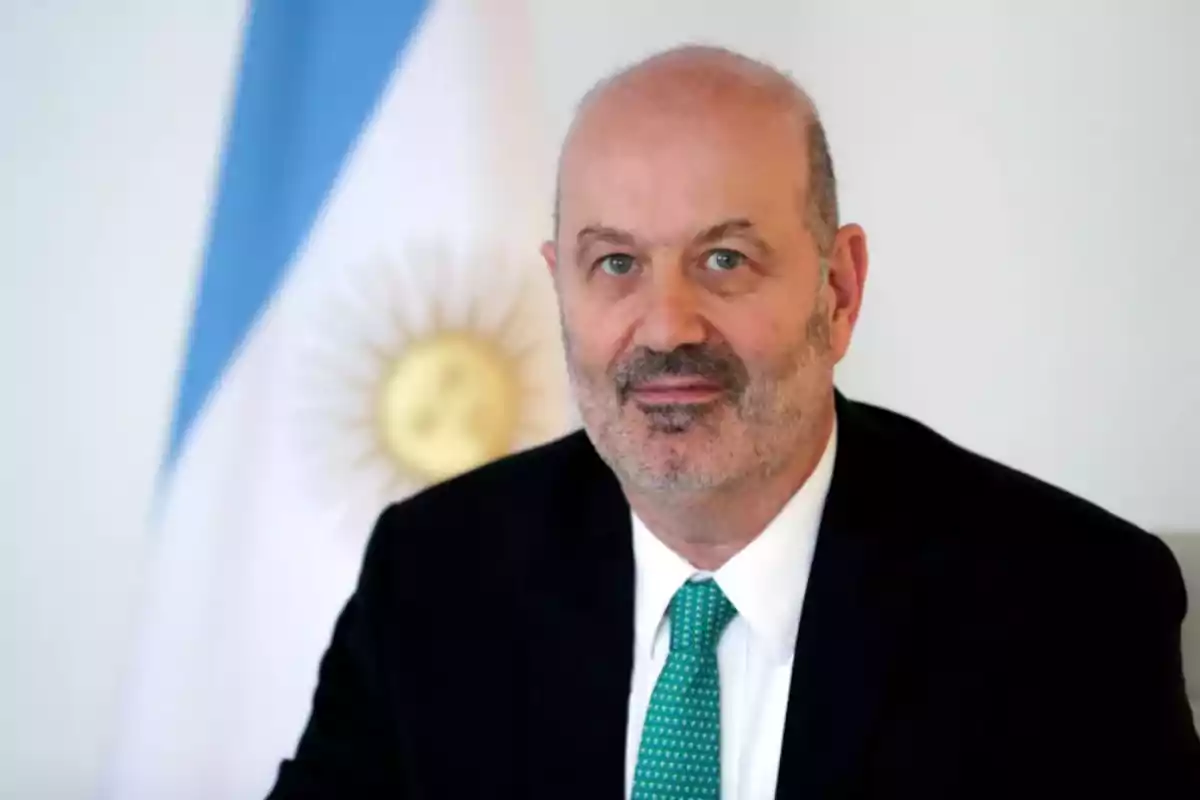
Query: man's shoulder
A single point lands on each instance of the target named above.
(1003, 509)
(517, 483)
(490, 519)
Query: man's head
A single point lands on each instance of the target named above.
(705, 287)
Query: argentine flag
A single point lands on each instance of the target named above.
(372, 316)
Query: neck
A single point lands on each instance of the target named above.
(709, 528)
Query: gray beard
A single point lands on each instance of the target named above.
(761, 411)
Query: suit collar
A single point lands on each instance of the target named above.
(579, 653)
(855, 613)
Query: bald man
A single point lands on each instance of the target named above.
(735, 582)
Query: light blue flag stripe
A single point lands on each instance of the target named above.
(312, 72)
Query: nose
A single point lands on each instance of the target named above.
(670, 314)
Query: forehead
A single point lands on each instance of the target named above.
(664, 170)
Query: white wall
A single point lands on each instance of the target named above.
(1027, 173)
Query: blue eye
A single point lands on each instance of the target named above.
(617, 264)
(724, 260)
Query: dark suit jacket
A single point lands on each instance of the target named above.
(968, 631)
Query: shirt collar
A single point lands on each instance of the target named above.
(766, 580)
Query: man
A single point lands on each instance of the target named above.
(737, 583)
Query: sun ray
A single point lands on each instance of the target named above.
(361, 323)
(416, 370)
(329, 374)
(394, 486)
(348, 425)
(525, 353)
(371, 489)
(532, 388)
(330, 400)
(400, 332)
(471, 319)
(437, 322)
(528, 428)
(376, 472)
(515, 312)
(342, 313)
(381, 284)
(363, 458)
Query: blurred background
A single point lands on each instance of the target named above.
(1027, 172)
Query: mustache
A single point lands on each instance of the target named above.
(714, 363)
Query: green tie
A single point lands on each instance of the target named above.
(680, 753)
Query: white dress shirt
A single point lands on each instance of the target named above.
(766, 582)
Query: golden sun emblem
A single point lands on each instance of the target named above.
(449, 402)
(407, 375)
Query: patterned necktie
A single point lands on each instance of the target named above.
(680, 752)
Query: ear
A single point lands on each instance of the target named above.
(550, 255)
(847, 281)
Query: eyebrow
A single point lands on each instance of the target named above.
(731, 227)
(714, 233)
(601, 233)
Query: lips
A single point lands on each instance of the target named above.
(684, 390)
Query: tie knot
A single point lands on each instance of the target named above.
(699, 613)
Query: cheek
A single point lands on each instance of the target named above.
(596, 331)
(760, 333)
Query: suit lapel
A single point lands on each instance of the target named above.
(852, 626)
(580, 645)
(580, 608)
